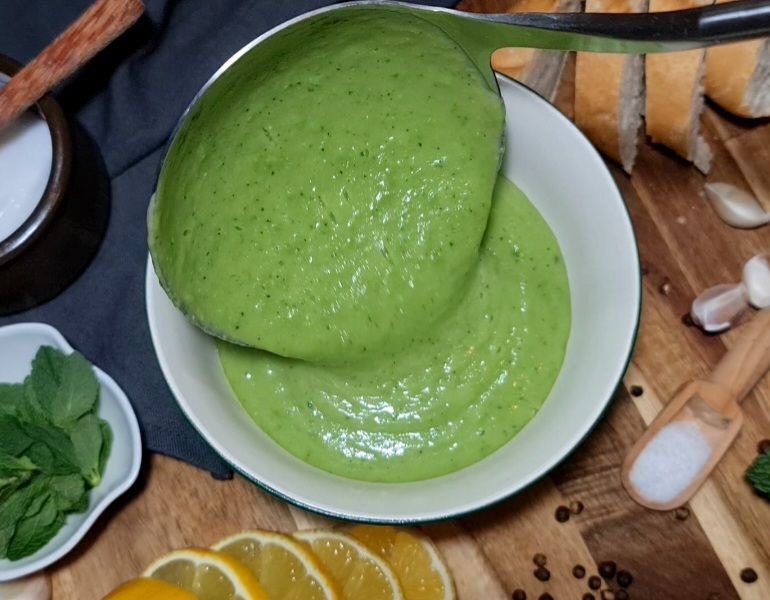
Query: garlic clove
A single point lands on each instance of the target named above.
(717, 308)
(756, 279)
(37, 587)
(735, 206)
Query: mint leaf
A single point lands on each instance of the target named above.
(759, 473)
(64, 386)
(69, 492)
(61, 459)
(106, 445)
(35, 531)
(13, 439)
(10, 465)
(11, 396)
(86, 436)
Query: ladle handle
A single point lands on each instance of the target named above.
(94, 29)
(747, 361)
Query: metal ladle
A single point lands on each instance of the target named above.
(481, 34)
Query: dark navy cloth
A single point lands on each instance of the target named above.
(128, 99)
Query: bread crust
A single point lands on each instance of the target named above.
(674, 95)
(729, 72)
(599, 81)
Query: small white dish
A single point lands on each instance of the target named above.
(565, 178)
(18, 346)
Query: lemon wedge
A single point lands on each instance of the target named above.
(208, 575)
(148, 589)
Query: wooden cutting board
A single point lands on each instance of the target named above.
(684, 248)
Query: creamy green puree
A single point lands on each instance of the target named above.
(453, 395)
(396, 314)
(330, 204)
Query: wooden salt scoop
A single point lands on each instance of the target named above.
(684, 443)
(95, 28)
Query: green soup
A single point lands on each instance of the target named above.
(330, 204)
(451, 396)
(400, 311)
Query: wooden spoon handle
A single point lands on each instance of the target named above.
(95, 28)
(747, 361)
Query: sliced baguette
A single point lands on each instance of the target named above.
(675, 95)
(609, 93)
(540, 70)
(738, 77)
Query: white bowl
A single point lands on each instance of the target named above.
(569, 184)
(18, 346)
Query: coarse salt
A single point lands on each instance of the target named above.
(670, 462)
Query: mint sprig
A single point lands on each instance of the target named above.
(758, 473)
(53, 449)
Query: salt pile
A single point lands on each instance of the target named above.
(670, 462)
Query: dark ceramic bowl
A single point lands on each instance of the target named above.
(41, 216)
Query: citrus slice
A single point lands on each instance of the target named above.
(148, 589)
(416, 561)
(207, 574)
(360, 573)
(285, 568)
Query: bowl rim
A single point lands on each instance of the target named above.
(61, 161)
(9, 572)
(601, 407)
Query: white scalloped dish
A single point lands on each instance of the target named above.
(18, 345)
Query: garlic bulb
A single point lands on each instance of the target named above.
(37, 587)
(718, 307)
(735, 206)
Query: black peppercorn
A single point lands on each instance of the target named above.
(682, 513)
(540, 559)
(519, 595)
(624, 578)
(607, 569)
(579, 571)
(542, 574)
(594, 582)
(545, 596)
(749, 575)
(636, 390)
(562, 514)
(576, 507)
(687, 320)
(763, 447)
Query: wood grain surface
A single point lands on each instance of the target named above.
(696, 553)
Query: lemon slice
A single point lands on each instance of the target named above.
(416, 561)
(207, 574)
(285, 568)
(148, 589)
(360, 573)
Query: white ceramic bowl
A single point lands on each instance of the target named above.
(18, 346)
(569, 184)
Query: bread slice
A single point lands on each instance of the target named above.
(738, 77)
(675, 95)
(609, 93)
(538, 69)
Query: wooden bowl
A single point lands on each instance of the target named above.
(35, 225)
